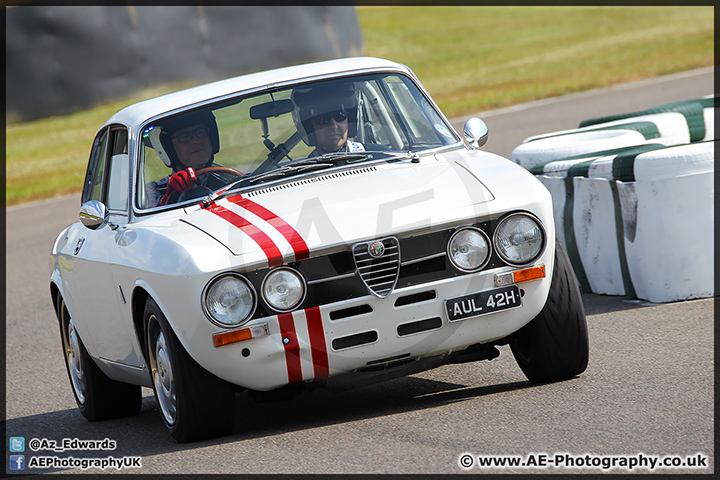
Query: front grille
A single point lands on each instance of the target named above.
(377, 266)
(406, 262)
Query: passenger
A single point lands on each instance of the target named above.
(186, 144)
(325, 116)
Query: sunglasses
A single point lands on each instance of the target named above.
(324, 119)
(186, 137)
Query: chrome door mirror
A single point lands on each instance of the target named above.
(94, 214)
(476, 132)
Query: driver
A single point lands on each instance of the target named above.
(326, 115)
(186, 144)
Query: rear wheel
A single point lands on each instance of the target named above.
(554, 345)
(194, 404)
(97, 396)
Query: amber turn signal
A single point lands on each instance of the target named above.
(226, 338)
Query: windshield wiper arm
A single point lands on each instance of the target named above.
(210, 199)
(289, 170)
(308, 165)
(293, 168)
(337, 157)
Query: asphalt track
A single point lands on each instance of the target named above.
(647, 393)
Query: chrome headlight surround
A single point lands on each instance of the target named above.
(229, 300)
(283, 289)
(519, 238)
(461, 244)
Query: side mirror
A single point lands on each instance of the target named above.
(476, 132)
(94, 214)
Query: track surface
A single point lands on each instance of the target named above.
(648, 388)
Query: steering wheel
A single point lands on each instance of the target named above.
(201, 190)
(209, 170)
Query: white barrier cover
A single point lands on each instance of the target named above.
(673, 190)
(662, 163)
(671, 126)
(709, 117)
(602, 168)
(670, 251)
(675, 161)
(596, 235)
(560, 168)
(638, 222)
(556, 147)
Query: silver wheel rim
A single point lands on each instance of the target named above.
(162, 373)
(73, 358)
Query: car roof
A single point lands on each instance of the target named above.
(141, 111)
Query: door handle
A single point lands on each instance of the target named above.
(79, 245)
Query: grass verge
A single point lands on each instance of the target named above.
(469, 58)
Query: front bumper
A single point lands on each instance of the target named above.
(320, 342)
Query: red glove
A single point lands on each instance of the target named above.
(180, 182)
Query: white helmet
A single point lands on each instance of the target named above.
(159, 135)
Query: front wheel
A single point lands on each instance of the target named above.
(194, 404)
(97, 396)
(554, 345)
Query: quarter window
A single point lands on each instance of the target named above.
(95, 175)
(107, 176)
(119, 171)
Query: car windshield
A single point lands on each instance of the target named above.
(287, 132)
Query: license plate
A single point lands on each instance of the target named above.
(483, 303)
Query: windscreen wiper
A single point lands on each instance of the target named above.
(335, 158)
(290, 169)
(287, 170)
(293, 168)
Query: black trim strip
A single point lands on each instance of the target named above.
(355, 340)
(419, 326)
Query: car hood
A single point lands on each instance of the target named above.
(305, 215)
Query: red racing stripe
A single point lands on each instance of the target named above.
(317, 342)
(292, 348)
(272, 252)
(291, 235)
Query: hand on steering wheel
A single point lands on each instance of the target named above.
(178, 183)
(174, 194)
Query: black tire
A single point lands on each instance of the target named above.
(554, 345)
(194, 404)
(97, 396)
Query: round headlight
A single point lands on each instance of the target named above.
(519, 239)
(469, 249)
(283, 289)
(229, 300)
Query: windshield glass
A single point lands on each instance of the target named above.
(285, 132)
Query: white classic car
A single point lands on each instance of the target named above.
(313, 225)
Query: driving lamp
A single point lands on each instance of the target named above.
(229, 300)
(469, 249)
(283, 289)
(519, 239)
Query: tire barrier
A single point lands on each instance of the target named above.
(670, 128)
(636, 220)
(692, 110)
